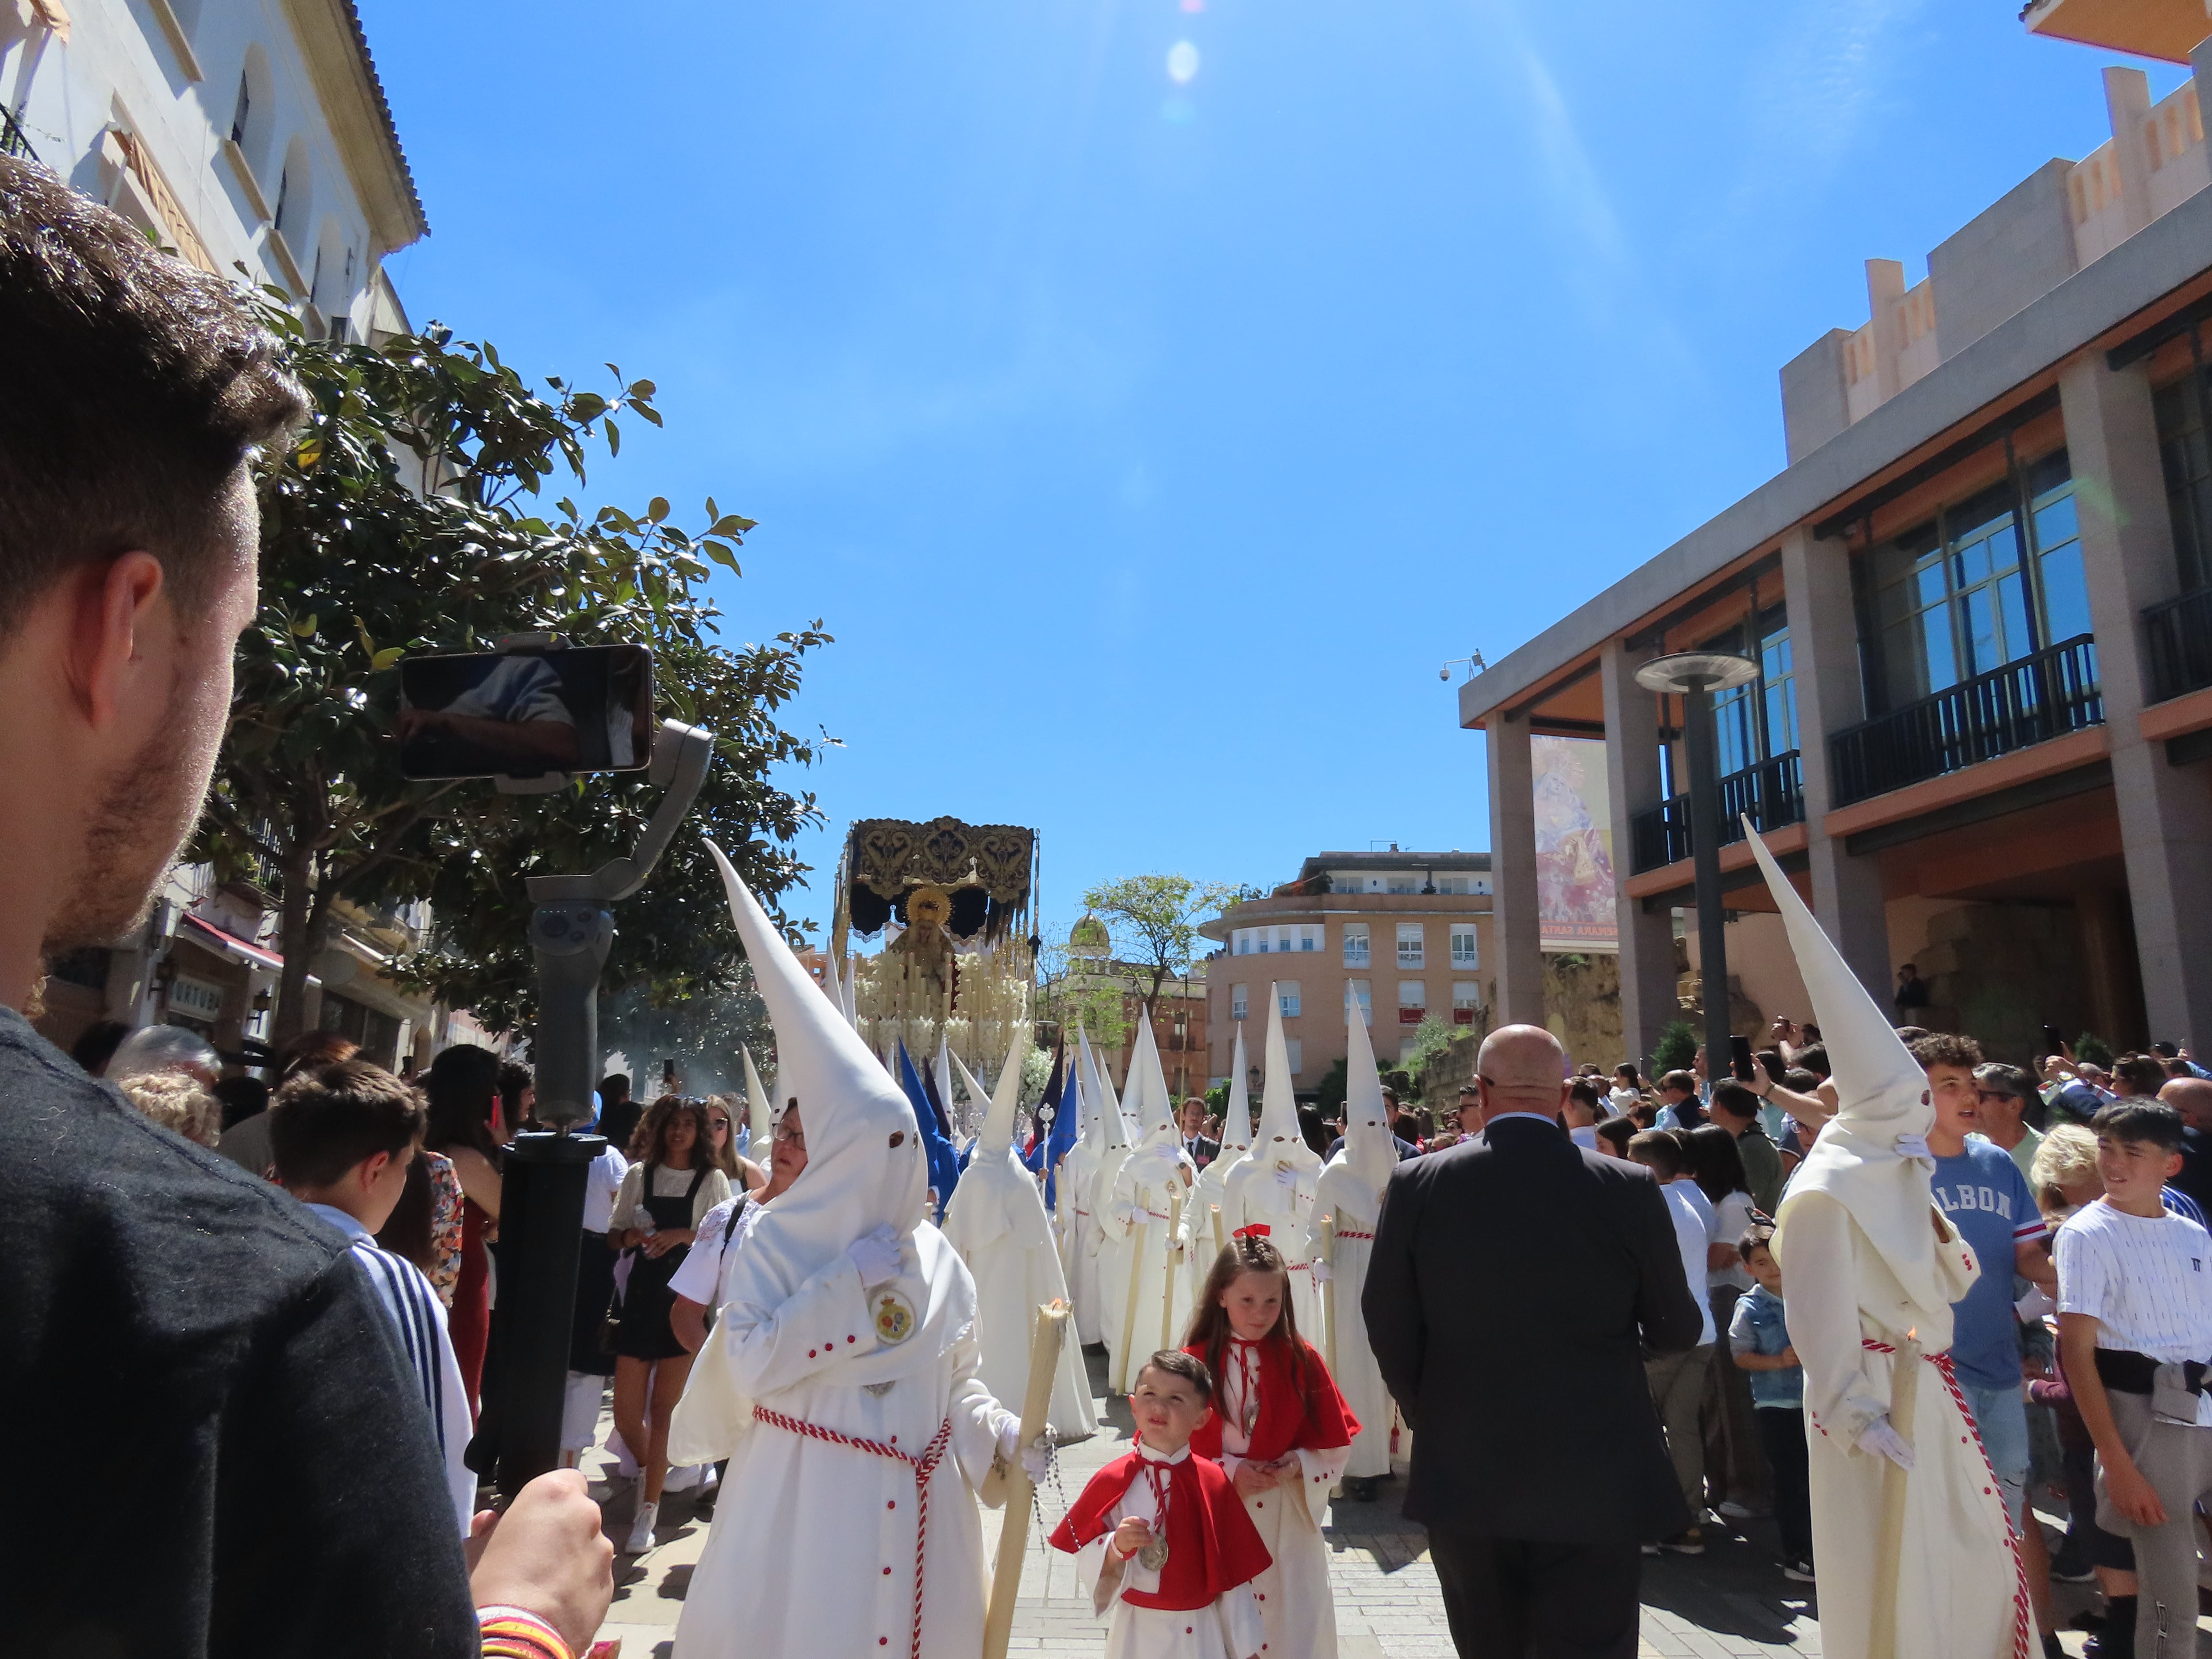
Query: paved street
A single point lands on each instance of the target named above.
(1729, 1603)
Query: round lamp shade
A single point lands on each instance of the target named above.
(1685, 671)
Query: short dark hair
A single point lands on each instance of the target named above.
(1618, 1132)
(1758, 1235)
(1814, 1058)
(513, 1077)
(1586, 1091)
(1736, 1099)
(615, 1086)
(2000, 1079)
(1909, 1035)
(1174, 1362)
(1660, 1150)
(1686, 1081)
(137, 388)
(327, 1119)
(2143, 1074)
(1945, 1048)
(2141, 1119)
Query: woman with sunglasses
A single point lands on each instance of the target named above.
(744, 1175)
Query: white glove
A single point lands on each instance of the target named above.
(1286, 1178)
(1322, 1272)
(877, 1255)
(1036, 1459)
(1878, 1439)
(1914, 1149)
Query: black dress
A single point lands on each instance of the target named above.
(644, 1331)
(595, 1294)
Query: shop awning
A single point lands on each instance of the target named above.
(211, 936)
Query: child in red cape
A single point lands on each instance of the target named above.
(1170, 1546)
(1281, 1431)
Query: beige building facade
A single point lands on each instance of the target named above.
(1407, 935)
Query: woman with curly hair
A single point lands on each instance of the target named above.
(673, 1182)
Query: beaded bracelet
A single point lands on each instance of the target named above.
(518, 1633)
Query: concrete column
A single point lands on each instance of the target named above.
(1513, 915)
(2127, 107)
(1648, 998)
(2166, 810)
(1847, 898)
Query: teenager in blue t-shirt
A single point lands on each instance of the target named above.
(1987, 1199)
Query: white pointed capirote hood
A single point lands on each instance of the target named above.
(865, 1166)
(1883, 1095)
(1156, 1124)
(1236, 1120)
(977, 1092)
(944, 1078)
(848, 997)
(1279, 1140)
(1110, 1110)
(998, 1132)
(760, 1116)
(1371, 1149)
(1092, 1124)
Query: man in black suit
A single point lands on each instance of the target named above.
(1202, 1152)
(1516, 1284)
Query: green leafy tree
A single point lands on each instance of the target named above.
(1154, 921)
(1678, 1047)
(407, 519)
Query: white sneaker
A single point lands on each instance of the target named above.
(640, 1529)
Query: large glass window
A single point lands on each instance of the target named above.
(1355, 944)
(1467, 1000)
(1237, 1002)
(1363, 993)
(1463, 951)
(1413, 1001)
(1286, 995)
(1413, 952)
(1968, 591)
(1757, 720)
(2185, 446)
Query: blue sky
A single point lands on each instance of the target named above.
(1148, 443)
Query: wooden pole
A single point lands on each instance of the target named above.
(1169, 1265)
(1122, 1374)
(1014, 1530)
(1889, 1538)
(1328, 1293)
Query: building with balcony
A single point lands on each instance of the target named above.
(1091, 970)
(1407, 935)
(1980, 599)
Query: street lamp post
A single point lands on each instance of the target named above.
(1694, 676)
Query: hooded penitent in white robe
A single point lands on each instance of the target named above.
(1109, 1264)
(1205, 1223)
(996, 1220)
(1350, 1194)
(1272, 1189)
(1867, 1258)
(849, 1409)
(1071, 1196)
(1145, 1219)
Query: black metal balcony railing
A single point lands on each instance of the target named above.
(1771, 792)
(2030, 701)
(12, 141)
(2179, 632)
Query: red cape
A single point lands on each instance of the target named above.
(1213, 1546)
(1315, 1417)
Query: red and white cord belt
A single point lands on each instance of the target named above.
(2023, 1622)
(1352, 1235)
(923, 1467)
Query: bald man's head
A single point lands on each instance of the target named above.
(1520, 1068)
(2192, 1096)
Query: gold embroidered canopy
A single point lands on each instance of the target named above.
(983, 873)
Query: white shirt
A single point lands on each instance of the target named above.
(703, 1274)
(1692, 1217)
(1586, 1136)
(2147, 1280)
(1730, 1217)
(630, 1209)
(601, 1183)
(419, 1319)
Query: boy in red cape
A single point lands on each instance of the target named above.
(1163, 1535)
(1281, 1431)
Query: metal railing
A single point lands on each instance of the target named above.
(2180, 633)
(12, 139)
(1771, 792)
(2027, 701)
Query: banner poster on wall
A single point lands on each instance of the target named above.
(1574, 845)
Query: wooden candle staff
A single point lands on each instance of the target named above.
(1019, 1489)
